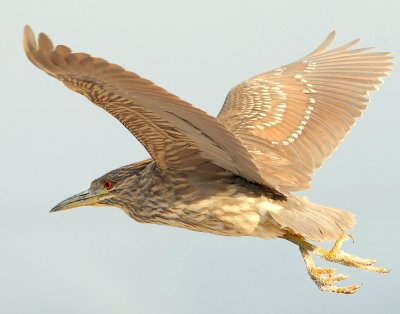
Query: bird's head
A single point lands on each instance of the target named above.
(112, 189)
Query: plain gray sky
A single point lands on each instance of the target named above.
(54, 143)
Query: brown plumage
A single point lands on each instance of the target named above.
(231, 175)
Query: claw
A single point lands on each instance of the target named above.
(344, 290)
(337, 256)
(324, 278)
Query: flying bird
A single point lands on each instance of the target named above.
(233, 174)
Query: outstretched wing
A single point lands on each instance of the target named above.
(301, 112)
(175, 134)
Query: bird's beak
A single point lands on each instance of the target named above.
(85, 198)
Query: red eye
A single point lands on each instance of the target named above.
(107, 184)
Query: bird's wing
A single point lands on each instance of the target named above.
(298, 114)
(174, 133)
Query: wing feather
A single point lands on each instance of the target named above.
(174, 133)
(303, 111)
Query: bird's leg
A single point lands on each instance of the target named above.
(325, 283)
(324, 278)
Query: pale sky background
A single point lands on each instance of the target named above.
(54, 143)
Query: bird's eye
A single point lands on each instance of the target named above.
(107, 184)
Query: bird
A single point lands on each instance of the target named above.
(235, 174)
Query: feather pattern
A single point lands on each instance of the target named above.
(274, 129)
(298, 114)
(175, 134)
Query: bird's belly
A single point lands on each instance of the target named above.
(231, 216)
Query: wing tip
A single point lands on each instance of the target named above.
(332, 34)
(45, 42)
(325, 43)
(31, 45)
(29, 41)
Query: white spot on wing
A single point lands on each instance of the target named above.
(267, 206)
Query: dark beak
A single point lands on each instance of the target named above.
(85, 198)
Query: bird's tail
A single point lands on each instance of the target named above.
(313, 221)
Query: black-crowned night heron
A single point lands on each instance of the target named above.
(231, 175)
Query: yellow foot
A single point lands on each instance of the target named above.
(325, 278)
(335, 255)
